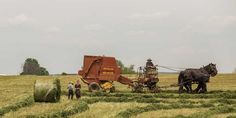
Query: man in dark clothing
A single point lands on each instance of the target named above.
(77, 90)
(149, 63)
(70, 90)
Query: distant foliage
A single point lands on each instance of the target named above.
(124, 69)
(64, 73)
(234, 70)
(43, 71)
(32, 67)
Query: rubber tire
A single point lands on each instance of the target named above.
(113, 89)
(138, 88)
(94, 87)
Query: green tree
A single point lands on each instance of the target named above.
(43, 71)
(32, 67)
(64, 73)
(124, 69)
(120, 64)
(234, 70)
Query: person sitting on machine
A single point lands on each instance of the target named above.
(150, 69)
(149, 63)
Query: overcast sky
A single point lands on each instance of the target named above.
(178, 33)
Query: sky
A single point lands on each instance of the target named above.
(176, 33)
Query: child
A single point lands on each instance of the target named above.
(77, 90)
(70, 90)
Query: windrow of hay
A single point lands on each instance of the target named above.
(123, 99)
(152, 107)
(141, 99)
(78, 107)
(17, 105)
(220, 109)
(218, 94)
(47, 90)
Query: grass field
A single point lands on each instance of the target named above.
(219, 102)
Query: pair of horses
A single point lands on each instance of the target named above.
(199, 76)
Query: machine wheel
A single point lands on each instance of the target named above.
(94, 87)
(112, 89)
(155, 90)
(138, 87)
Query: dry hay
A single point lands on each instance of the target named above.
(47, 90)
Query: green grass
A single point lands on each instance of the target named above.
(219, 101)
(23, 102)
(78, 107)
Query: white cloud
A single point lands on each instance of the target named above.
(156, 15)
(20, 19)
(212, 24)
(94, 27)
(223, 20)
(138, 32)
(183, 50)
(53, 29)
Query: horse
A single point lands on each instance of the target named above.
(200, 76)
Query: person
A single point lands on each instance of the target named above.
(70, 90)
(77, 89)
(149, 63)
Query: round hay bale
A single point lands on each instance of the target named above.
(47, 90)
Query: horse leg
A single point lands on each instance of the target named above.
(204, 87)
(198, 88)
(181, 89)
(180, 82)
(187, 87)
(190, 87)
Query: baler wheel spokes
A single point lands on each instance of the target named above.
(94, 87)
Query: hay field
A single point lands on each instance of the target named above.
(220, 102)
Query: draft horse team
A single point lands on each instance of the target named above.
(199, 76)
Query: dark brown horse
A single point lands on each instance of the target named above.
(200, 76)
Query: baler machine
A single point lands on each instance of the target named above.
(99, 73)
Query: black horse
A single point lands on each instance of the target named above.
(200, 76)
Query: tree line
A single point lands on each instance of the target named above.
(126, 69)
(32, 67)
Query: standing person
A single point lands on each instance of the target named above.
(77, 89)
(70, 90)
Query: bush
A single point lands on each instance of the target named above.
(64, 73)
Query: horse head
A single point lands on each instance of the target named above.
(211, 69)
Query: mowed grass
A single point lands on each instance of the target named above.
(39, 108)
(170, 113)
(106, 110)
(221, 91)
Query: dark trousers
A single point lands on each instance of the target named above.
(70, 94)
(77, 93)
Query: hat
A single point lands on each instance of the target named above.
(149, 59)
